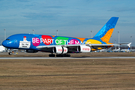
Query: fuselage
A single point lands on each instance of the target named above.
(31, 41)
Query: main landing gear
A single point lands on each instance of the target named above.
(51, 55)
(59, 55)
(13, 52)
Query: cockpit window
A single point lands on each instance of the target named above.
(7, 39)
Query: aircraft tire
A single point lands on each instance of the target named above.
(10, 53)
(51, 55)
(59, 55)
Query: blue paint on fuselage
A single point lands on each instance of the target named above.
(14, 40)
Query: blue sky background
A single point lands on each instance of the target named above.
(71, 17)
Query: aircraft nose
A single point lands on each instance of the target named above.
(5, 43)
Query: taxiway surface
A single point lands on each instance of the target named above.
(67, 57)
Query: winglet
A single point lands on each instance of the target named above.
(106, 31)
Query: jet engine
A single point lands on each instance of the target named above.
(60, 50)
(84, 48)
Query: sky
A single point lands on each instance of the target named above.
(76, 18)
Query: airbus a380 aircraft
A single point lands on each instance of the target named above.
(61, 45)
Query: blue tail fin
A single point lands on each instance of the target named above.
(106, 31)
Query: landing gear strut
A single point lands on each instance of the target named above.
(12, 53)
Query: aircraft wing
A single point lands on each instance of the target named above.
(75, 45)
(101, 45)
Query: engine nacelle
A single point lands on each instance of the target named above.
(84, 48)
(60, 50)
(31, 51)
